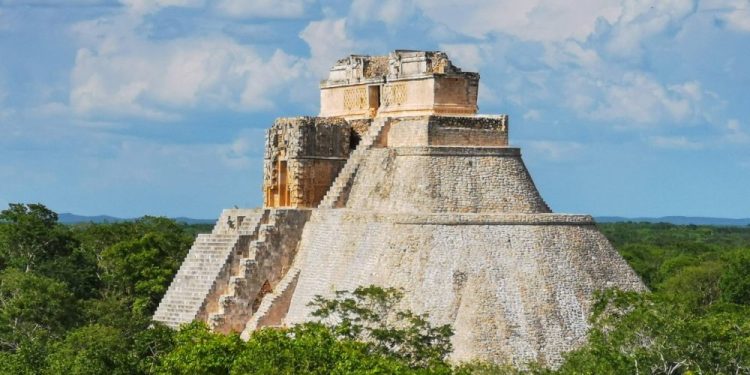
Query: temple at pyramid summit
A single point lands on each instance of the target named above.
(399, 182)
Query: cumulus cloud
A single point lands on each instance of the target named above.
(635, 98)
(263, 8)
(556, 151)
(735, 13)
(150, 6)
(674, 143)
(119, 73)
(142, 162)
(56, 3)
(329, 41)
(532, 115)
(736, 133)
(641, 20)
(390, 12)
(467, 56)
(534, 20)
(583, 57)
(246, 149)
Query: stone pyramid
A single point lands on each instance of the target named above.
(399, 182)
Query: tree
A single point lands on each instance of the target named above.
(150, 346)
(33, 305)
(695, 286)
(91, 350)
(312, 348)
(369, 314)
(197, 351)
(29, 235)
(142, 268)
(650, 333)
(735, 282)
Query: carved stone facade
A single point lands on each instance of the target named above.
(303, 156)
(400, 183)
(400, 84)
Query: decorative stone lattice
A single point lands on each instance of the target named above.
(355, 99)
(394, 94)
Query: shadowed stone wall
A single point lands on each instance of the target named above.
(302, 158)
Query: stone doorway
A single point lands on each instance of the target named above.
(373, 100)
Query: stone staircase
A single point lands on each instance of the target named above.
(332, 199)
(256, 270)
(207, 259)
(243, 283)
(274, 305)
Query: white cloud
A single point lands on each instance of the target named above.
(390, 12)
(532, 115)
(735, 133)
(736, 13)
(141, 7)
(572, 53)
(328, 41)
(556, 151)
(139, 162)
(466, 56)
(535, 20)
(244, 150)
(119, 73)
(55, 3)
(674, 143)
(262, 8)
(636, 98)
(641, 20)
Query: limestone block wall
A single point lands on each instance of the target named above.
(351, 101)
(456, 93)
(514, 287)
(407, 96)
(476, 131)
(445, 179)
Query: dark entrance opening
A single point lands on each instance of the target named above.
(373, 100)
(354, 139)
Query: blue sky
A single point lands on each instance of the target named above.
(621, 107)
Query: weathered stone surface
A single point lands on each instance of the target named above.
(303, 155)
(413, 190)
(515, 287)
(402, 83)
(207, 262)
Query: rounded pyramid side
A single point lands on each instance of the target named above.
(445, 179)
(514, 289)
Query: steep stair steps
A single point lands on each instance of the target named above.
(332, 199)
(207, 258)
(247, 280)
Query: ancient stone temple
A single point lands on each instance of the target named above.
(399, 182)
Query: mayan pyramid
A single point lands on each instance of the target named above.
(399, 182)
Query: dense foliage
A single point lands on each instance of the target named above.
(77, 299)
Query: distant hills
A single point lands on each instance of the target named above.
(68, 218)
(678, 220)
